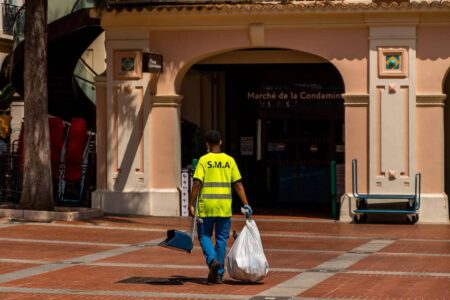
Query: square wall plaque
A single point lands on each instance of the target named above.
(127, 64)
(393, 62)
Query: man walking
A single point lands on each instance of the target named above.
(214, 176)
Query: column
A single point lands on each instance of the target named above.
(392, 114)
(430, 157)
(101, 130)
(123, 113)
(356, 142)
(165, 155)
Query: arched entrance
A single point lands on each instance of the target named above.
(282, 117)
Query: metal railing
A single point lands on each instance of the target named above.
(9, 12)
(10, 175)
(59, 10)
(81, 4)
(19, 26)
(84, 76)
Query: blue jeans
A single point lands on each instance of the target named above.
(222, 232)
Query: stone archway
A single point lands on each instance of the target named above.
(149, 166)
(216, 76)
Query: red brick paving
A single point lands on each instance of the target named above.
(312, 236)
(136, 221)
(43, 296)
(160, 255)
(299, 225)
(418, 247)
(46, 251)
(377, 262)
(297, 259)
(106, 278)
(6, 267)
(381, 287)
(311, 243)
(380, 231)
(79, 234)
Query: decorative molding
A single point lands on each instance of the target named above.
(430, 99)
(170, 101)
(393, 62)
(356, 99)
(127, 64)
(402, 28)
(186, 15)
(316, 6)
(256, 32)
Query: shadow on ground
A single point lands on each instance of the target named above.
(179, 280)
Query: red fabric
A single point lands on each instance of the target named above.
(75, 147)
(56, 128)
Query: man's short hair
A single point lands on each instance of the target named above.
(213, 137)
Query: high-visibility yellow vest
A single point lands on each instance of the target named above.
(217, 172)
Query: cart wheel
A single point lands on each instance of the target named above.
(410, 205)
(361, 204)
(412, 219)
(359, 218)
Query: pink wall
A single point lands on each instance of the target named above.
(333, 45)
(430, 160)
(163, 134)
(356, 144)
(183, 49)
(433, 58)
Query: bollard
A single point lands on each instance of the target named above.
(333, 190)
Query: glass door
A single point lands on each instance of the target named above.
(297, 159)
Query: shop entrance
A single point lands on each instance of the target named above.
(293, 117)
(284, 125)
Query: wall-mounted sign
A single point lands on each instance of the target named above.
(294, 95)
(292, 98)
(246, 145)
(276, 147)
(152, 63)
(340, 148)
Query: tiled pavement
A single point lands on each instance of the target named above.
(309, 259)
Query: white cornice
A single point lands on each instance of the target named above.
(296, 14)
(166, 100)
(356, 99)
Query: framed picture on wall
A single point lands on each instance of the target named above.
(127, 64)
(393, 62)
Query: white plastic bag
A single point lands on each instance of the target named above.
(246, 260)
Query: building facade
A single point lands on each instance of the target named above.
(292, 85)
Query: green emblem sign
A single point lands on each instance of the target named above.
(127, 64)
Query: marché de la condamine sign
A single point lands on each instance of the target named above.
(293, 95)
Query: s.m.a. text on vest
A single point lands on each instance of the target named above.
(218, 164)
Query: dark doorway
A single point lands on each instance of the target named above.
(287, 124)
(284, 125)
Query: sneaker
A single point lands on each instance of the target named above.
(214, 266)
(219, 279)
